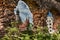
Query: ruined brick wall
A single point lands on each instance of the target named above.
(6, 11)
(39, 15)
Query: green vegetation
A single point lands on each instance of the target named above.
(40, 34)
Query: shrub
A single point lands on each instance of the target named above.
(15, 34)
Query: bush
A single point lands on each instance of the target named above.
(15, 34)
